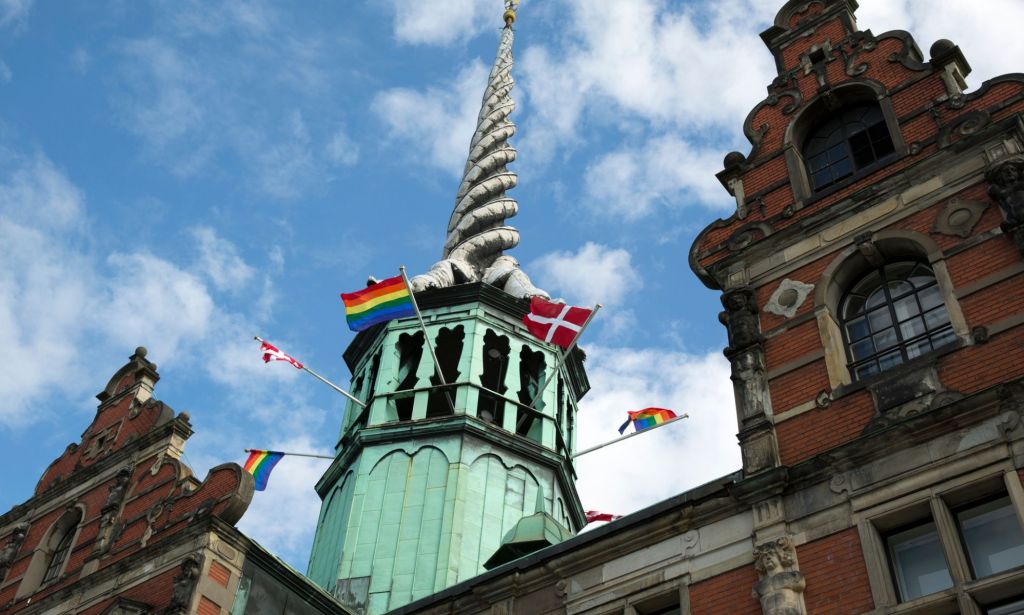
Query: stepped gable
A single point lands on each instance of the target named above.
(124, 488)
(824, 62)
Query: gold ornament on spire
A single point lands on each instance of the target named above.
(510, 12)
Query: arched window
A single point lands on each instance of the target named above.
(893, 314)
(849, 141)
(64, 539)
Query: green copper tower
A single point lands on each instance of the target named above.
(432, 482)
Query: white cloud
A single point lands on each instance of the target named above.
(342, 149)
(442, 119)
(5, 72)
(442, 23)
(992, 46)
(81, 60)
(154, 303)
(641, 471)
(593, 274)
(14, 12)
(642, 60)
(665, 171)
(219, 260)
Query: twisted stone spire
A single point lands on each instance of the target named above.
(477, 232)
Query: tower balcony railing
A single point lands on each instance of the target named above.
(497, 409)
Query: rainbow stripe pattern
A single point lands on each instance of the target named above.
(385, 300)
(647, 418)
(259, 464)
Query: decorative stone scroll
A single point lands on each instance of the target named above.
(781, 585)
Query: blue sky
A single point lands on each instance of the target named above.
(186, 174)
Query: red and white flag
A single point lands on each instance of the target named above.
(557, 323)
(593, 515)
(273, 354)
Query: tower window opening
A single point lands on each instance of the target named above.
(410, 351)
(491, 407)
(531, 375)
(449, 351)
(851, 141)
(893, 314)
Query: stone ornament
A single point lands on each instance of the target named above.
(184, 585)
(959, 217)
(782, 585)
(1006, 187)
(477, 233)
(740, 318)
(788, 298)
(10, 551)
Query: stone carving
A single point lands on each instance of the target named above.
(750, 383)
(690, 542)
(781, 587)
(477, 233)
(740, 318)
(184, 585)
(1007, 189)
(116, 491)
(10, 550)
(959, 217)
(788, 298)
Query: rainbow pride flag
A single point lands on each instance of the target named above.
(259, 464)
(647, 418)
(385, 300)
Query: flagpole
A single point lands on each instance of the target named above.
(564, 355)
(426, 339)
(321, 378)
(260, 450)
(626, 437)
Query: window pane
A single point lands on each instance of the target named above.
(899, 288)
(862, 350)
(842, 168)
(912, 328)
(857, 329)
(890, 360)
(885, 340)
(854, 306)
(880, 319)
(993, 537)
(936, 318)
(943, 338)
(1016, 608)
(906, 308)
(868, 369)
(917, 349)
(918, 563)
(930, 297)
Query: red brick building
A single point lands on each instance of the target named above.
(871, 279)
(118, 525)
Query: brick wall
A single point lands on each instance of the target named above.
(837, 578)
(728, 593)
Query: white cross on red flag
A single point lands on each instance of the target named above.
(556, 323)
(594, 515)
(273, 354)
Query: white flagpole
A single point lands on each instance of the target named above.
(628, 436)
(321, 379)
(260, 450)
(564, 355)
(426, 340)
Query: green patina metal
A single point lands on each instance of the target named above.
(418, 498)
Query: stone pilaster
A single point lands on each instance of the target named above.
(750, 385)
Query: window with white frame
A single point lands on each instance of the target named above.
(965, 545)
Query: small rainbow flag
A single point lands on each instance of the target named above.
(647, 418)
(385, 300)
(259, 464)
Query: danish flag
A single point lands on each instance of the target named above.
(556, 323)
(273, 354)
(593, 515)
